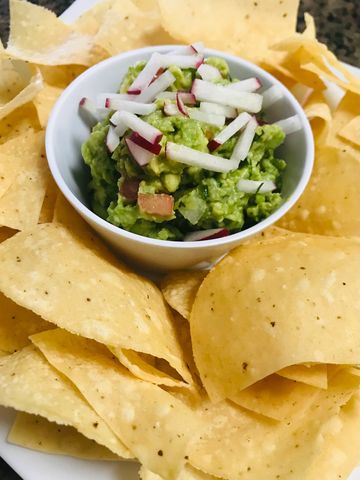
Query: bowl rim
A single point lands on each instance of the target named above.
(178, 244)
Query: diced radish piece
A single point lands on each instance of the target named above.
(181, 106)
(272, 95)
(248, 85)
(158, 204)
(181, 61)
(139, 154)
(129, 188)
(159, 85)
(133, 107)
(250, 102)
(195, 158)
(154, 148)
(244, 142)
(210, 234)
(146, 75)
(144, 129)
(211, 118)
(192, 49)
(209, 107)
(121, 128)
(95, 114)
(170, 109)
(112, 139)
(103, 98)
(229, 131)
(256, 186)
(157, 75)
(208, 72)
(290, 125)
(301, 93)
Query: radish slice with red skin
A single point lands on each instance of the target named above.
(187, 97)
(211, 118)
(209, 107)
(244, 142)
(171, 109)
(139, 154)
(192, 49)
(94, 113)
(181, 106)
(112, 139)
(210, 234)
(166, 96)
(207, 91)
(159, 85)
(144, 129)
(248, 85)
(158, 204)
(290, 124)
(154, 148)
(208, 72)
(272, 95)
(233, 127)
(256, 186)
(132, 107)
(181, 61)
(195, 158)
(101, 99)
(146, 75)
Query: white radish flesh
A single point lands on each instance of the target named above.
(181, 61)
(208, 72)
(209, 107)
(192, 49)
(244, 142)
(132, 107)
(256, 186)
(144, 129)
(171, 109)
(248, 85)
(112, 139)
(290, 125)
(230, 130)
(181, 106)
(195, 158)
(146, 75)
(211, 118)
(140, 155)
(101, 99)
(159, 85)
(272, 95)
(94, 113)
(207, 91)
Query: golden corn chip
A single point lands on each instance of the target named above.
(19, 122)
(314, 374)
(44, 102)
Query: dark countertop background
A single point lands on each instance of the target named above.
(338, 25)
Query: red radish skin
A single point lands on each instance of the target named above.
(154, 148)
(157, 75)
(158, 204)
(213, 145)
(139, 154)
(129, 189)
(180, 105)
(210, 234)
(82, 102)
(136, 91)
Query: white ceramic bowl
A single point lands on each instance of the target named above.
(66, 132)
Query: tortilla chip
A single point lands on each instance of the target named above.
(19, 84)
(38, 36)
(60, 76)
(319, 114)
(315, 375)
(48, 206)
(238, 302)
(351, 131)
(17, 324)
(109, 303)
(188, 473)
(90, 21)
(180, 288)
(250, 26)
(44, 102)
(20, 206)
(19, 122)
(156, 425)
(37, 433)
(345, 112)
(29, 384)
(330, 204)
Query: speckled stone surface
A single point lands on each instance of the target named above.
(338, 25)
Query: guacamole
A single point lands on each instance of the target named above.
(201, 199)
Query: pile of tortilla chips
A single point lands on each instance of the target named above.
(248, 371)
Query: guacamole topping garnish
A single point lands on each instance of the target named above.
(183, 151)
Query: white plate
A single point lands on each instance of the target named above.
(31, 465)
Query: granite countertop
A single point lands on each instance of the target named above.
(338, 25)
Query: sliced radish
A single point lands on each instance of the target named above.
(146, 75)
(192, 49)
(103, 98)
(94, 113)
(290, 125)
(133, 107)
(171, 109)
(180, 105)
(158, 204)
(187, 97)
(272, 95)
(209, 107)
(139, 154)
(301, 93)
(250, 102)
(244, 142)
(211, 118)
(112, 139)
(144, 129)
(195, 158)
(154, 148)
(166, 96)
(256, 186)
(181, 61)
(159, 85)
(210, 234)
(248, 85)
(208, 72)
(229, 131)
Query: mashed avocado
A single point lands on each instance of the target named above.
(202, 199)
